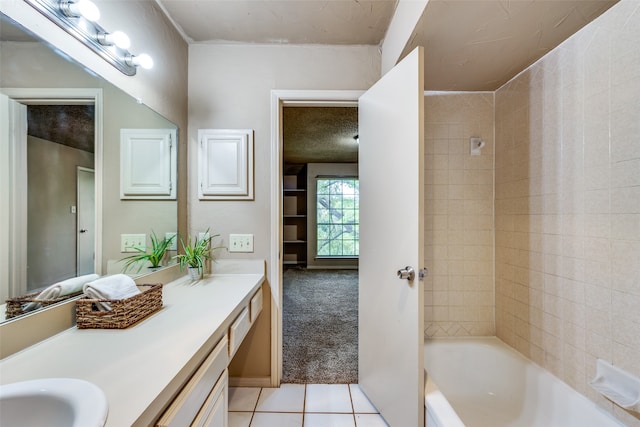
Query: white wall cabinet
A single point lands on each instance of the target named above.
(225, 164)
(148, 164)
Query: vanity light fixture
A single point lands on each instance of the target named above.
(80, 8)
(117, 38)
(77, 18)
(143, 60)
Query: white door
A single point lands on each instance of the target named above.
(391, 313)
(85, 222)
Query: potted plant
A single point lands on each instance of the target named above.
(154, 257)
(196, 253)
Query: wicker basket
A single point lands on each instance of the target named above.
(14, 305)
(123, 313)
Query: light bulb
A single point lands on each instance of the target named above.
(143, 60)
(117, 38)
(85, 8)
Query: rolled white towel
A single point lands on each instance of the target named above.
(60, 289)
(117, 286)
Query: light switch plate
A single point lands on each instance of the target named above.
(130, 241)
(240, 242)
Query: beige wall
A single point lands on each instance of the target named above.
(230, 87)
(568, 205)
(459, 291)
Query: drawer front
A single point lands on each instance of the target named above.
(238, 331)
(256, 306)
(188, 403)
(215, 408)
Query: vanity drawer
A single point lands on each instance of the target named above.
(238, 331)
(255, 307)
(186, 406)
(215, 408)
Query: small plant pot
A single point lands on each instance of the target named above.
(194, 273)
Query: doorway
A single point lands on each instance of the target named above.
(43, 99)
(320, 244)
(279, 100)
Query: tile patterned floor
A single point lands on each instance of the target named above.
(299, 405)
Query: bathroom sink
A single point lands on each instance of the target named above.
(52, 402)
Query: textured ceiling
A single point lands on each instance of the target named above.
(480, 44)
(320, 134)
(469, 44)
(70, 125)
(341, 22)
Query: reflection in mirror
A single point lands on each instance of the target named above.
(61, 213)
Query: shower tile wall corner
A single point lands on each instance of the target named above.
(459, 291)
(567, 205)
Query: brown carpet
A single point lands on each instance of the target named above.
(320, 326)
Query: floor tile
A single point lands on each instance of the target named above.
(328, 398)
(328, 420)
(287, 398)
(361, 404)
(273, 419)
(240, 419)
(243, 398)
(370, 420)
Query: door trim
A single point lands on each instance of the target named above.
(50, 96)
(280, 98)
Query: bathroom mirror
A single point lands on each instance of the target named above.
(71, 172)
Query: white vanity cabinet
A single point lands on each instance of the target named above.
(191, 399)
(203, 401)
(215, 408)
(169, 369)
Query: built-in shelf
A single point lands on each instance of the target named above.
(294, 215)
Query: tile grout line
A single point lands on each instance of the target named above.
(353, 407)
(253, 413)
(304, 404)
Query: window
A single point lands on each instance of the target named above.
(337, 217)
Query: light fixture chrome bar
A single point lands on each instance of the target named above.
(87, 33)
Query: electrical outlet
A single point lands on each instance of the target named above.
(174, 243)
(202, 235)
(240, 242)
(130, 241)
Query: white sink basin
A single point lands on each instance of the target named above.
(57, 402)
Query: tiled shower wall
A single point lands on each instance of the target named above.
(567, 208)
(459, 291)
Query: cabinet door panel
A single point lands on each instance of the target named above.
(238, 331)
(214, 411)
(186, 406)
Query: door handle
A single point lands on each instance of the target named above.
(407, 273)
(83, 230)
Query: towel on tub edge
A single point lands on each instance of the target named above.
(117, 286)
(60, 289)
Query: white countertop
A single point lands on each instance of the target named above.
(141, 367)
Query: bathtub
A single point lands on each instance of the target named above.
(482, 382)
